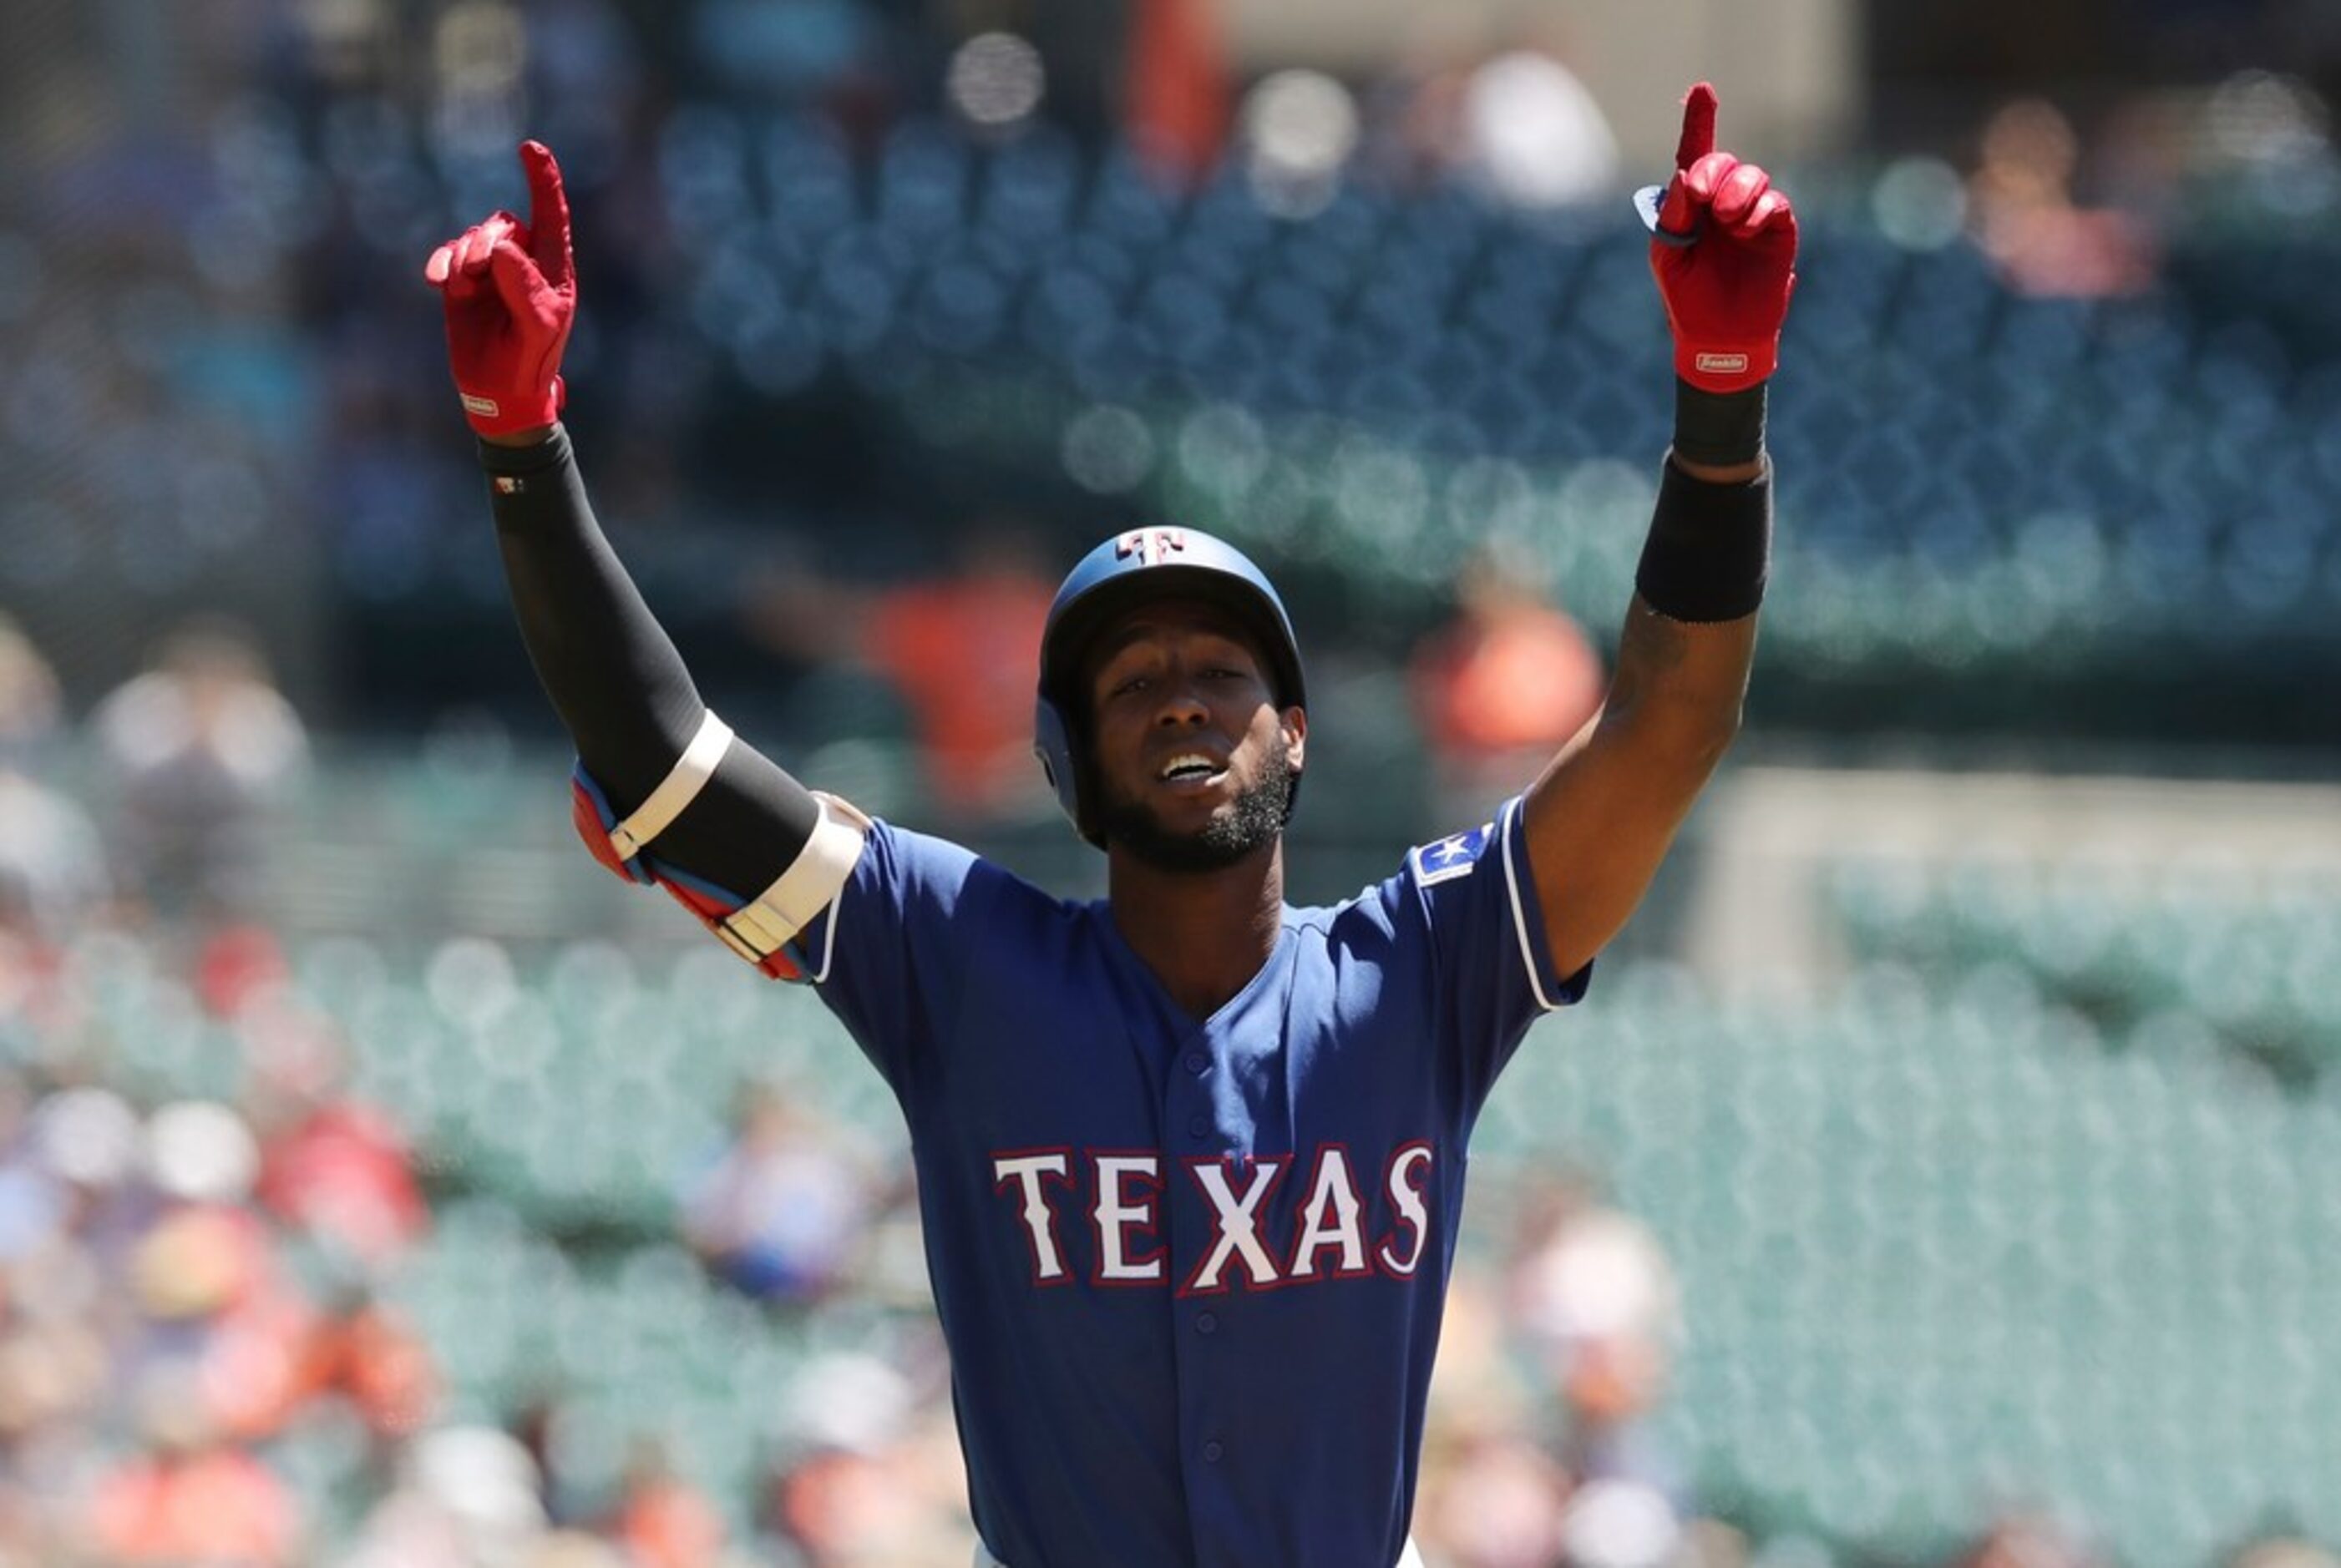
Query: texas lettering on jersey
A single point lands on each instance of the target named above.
(1345, 1223)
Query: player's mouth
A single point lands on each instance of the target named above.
(1191, 773)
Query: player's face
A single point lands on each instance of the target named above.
(1194, 759)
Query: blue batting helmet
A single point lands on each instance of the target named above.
(1128, 570)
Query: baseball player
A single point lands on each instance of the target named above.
(1189, 1159)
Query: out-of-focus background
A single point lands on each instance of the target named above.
(1946, 1169)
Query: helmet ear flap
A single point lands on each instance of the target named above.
(1060, 751)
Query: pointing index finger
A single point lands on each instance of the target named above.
(1698, 126)
(548, 215)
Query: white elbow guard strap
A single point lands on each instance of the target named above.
(759, 929)
(620, 846)
(678, 789)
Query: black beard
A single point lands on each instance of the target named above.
(1257, 820)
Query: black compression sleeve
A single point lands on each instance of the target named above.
(618, 684)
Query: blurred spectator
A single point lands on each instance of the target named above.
(2026, 220)
(367, 1352)
(1594, 1293)
(826, 1503)
(331, 1164)
(1499, 1506)
(1502, 686)
(199, 752)
(216, 1309)
(52, 865)
(466, 1497)
(1595, 1298)
(1514, 123)
(856, 1489)
(237, 964)
(89, 1140)
(193, 1500)
(961, 650)
(1177, 113)
(781, 1212)
(54, 1368)
(1530, 134)
(662, 1520)
(817, 1500)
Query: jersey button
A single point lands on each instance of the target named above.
(1199, 1126)
(1196, 1062)
(1207, 1323)
(1211, 1452)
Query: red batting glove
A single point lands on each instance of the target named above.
(1725, 253)
(509, 289)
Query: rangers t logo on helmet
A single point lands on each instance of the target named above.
(1151, 546)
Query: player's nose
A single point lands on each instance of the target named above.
(1183, 703)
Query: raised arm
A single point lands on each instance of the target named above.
(1601, 817)
(753, 845)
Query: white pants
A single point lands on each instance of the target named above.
(1410, 1558)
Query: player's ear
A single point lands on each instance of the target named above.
(1293, 724)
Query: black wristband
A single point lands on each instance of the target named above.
(1719, 428)
(1709, 549)
(517, 464)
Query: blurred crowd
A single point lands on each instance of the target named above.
(208, 265)
(207, 1353)
(210, 1351)
(225, 389)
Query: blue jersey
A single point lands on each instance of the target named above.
(1191, 1272)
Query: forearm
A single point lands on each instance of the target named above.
(614, 677)
(1690, 639)
(1678, 690)
(609, 667)
(1601, 817)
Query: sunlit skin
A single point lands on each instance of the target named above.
(1600, 817)
(1182, 677)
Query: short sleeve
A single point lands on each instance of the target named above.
(881, 955)
(1471, 898)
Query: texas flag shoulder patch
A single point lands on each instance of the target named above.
(1444, 860)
